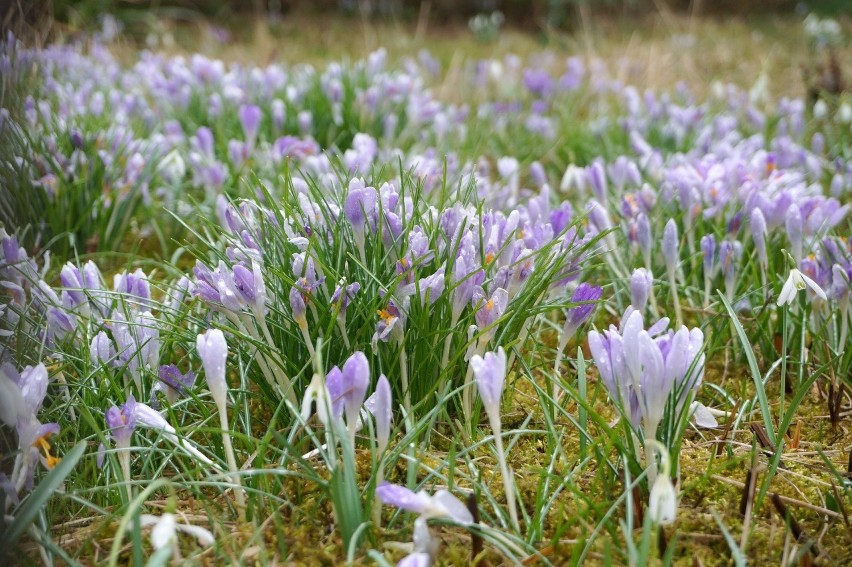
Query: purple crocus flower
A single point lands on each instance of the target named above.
(250, 117)
(305, 119)
(585, 297)
(635, 365)
(120, 422)
(360, 206)
(670, 245)
(21, 398)
(391, 321)
(729, 259)
(135, 287)
(440, 505)
(349, 388)
(380, 404)
(467, 276)
(279, 114)
(708, 255)
(643, 238)
(213, 351)
(72, 281)
(101, 349)
(343, 295)
(172, 383)
(489, 310)
(640, 288)
(758, 234)
(794, 224)
(251, 287)
(490, 372)
(299, 308)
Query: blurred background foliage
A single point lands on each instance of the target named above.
(135, 16)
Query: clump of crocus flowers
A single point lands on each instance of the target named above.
(651, 375)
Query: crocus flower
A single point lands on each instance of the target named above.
(134, 287)
(489, 310)
(120, 422)
(729, 259)
(670, 245)
(101, 349)
(22, 398)
(349, 388)
(643, 238)
(670, 253)
(391, 322)
(317, 391)
(585, 296)
(442, 504)
(798, 281)
(250, 117)
(213, 351)
(794, 224)
(340, 301)
(490, 374)
(172, 383)
(72, 281)
(758, 234)
(641, 368)
(250, 285)
(640, 288)
(380, 405)
(361, 209)
(299, 309)
(708, 256)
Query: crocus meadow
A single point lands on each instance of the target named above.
(313, 282)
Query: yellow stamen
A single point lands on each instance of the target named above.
(44, 444)
(489, 258)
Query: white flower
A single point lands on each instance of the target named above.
(704, 417)
(663, 503)
(166, 527)
(795, 282)
(820, 109)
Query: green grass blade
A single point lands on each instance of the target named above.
(755, 371)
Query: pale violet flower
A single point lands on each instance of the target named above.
(442, 504)
(213, 350)
(490, 374)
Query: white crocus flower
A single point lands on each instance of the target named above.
(795, 282)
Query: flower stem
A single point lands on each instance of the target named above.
(508, 485)
(239, 494)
